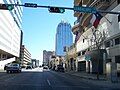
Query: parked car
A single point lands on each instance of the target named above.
(59, 68)
(14, 67)
(29, 67)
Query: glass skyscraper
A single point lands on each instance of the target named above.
(64, 37)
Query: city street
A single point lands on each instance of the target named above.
(37, 79)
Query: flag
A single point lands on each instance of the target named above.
(96, 19)
(77, 36)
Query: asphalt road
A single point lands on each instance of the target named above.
(37, 79)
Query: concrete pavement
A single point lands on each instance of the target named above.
(91, 78)
(39, 79)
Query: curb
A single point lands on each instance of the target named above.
(90, 78)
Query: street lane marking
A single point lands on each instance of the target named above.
(48, 82)
(11, 78)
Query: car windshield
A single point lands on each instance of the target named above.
(59, 44)
(15, 65)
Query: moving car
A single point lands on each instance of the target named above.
(45, 68)
(14, 67)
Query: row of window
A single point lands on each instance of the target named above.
(109, 43)
(112, 42)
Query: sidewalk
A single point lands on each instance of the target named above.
(87, 75)
(91, 78)
(1, 70)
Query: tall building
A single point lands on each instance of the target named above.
(10, 32)
(46, 57)
(25, 56)
(100, 54)
(64, 37)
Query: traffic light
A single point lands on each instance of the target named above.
(7, 6)
(56, 10)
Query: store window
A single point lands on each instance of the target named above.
(117, 59)
(117, 41)
(118, 1)
(119, 18)
(107, 44)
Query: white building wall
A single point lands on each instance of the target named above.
(84, 44)
(9, 31)
(9, 34)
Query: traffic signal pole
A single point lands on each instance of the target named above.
(75, 8)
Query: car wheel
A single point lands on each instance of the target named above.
(19, 71)
(11, 71)
(7, 71)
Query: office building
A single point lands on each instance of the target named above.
(64, 38)
(10, 32)
(26, 56)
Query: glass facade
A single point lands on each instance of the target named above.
(64, 37)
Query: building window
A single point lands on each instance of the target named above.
(118, 1)
(107, 44)
(111, 42)
(83, 40)
(117, 59)
(83, 30)
(117, 41)
(83, 52)
(119, 18)
(79, 53)
(4, 56)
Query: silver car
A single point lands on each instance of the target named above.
(14, 67)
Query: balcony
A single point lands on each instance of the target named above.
(85, 2)
(76, 14)
(101, 4)
(86, 19)
(75, 28)
(77, 2)
(82, 2)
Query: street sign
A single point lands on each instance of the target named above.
(30, 5)
(85, 9)
(87, 57)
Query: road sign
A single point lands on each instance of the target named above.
(87, 57)
(30, 5)
(85, 9)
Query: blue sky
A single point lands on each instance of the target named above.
(39, 26)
